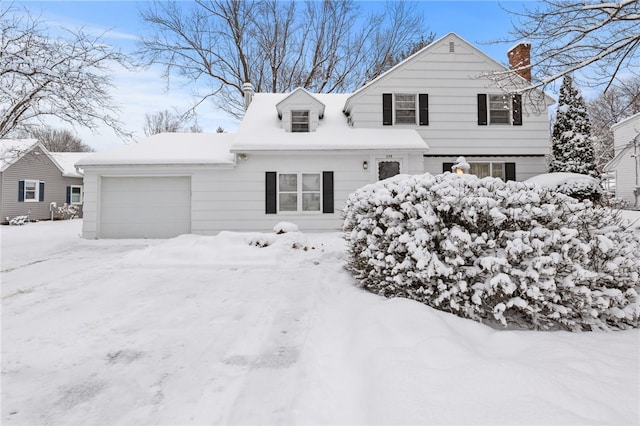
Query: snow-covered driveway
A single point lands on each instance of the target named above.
(217, 330)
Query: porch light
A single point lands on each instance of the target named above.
(365, 165)
(460, 166)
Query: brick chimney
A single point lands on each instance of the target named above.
(247, 89)
(520, 59)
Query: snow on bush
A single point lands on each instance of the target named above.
(582, 187)
(284, 227)
(19, 220)
(488, 250)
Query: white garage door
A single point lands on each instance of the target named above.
(145, 207)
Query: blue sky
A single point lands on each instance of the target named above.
(479, 22)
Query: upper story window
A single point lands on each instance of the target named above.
(499, 109)
(299, 121)
(405, 106)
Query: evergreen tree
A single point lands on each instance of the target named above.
(571, 141)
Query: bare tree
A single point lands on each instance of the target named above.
(323, 46)
(570, 35)
(57, 140)
(42, 76)
(171, 122)
(622, 100)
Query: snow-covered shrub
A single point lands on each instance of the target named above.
(579, 186)
(19, 220)
(67, 211)
(488, 250)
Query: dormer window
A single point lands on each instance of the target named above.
(300, 121)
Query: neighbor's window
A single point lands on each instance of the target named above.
(487, 169)
(405, 109)
(31, 190)
(76, 195)
(299, 121)
(499, 109)
(299, 192)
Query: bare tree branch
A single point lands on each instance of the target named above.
(323, 46)
(64, 77)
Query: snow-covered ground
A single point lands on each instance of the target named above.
(217, 330)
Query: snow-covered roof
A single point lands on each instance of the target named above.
(67, 160)
(626, 120)
(168, 148)
(261, 130)
(12, 149)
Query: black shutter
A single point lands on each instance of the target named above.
(517, 110)
(509, 171)
(423, 105)
(21, 190)
(446, 167)
(482, 109)
(271, 193)
(327, 192)
(41, 191)
(68, 195)
(387, 109)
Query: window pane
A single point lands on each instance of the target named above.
(311, 202)
(311, 182)
(288, 202)
(387, 169)
(499, 109)
(299, 121)
(479, 169)
(75, 194)
(288, 182)
(497, 170)
(405, 108)
(30, 195)
(30, 185)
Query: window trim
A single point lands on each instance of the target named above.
(71, 188)
(299, 193)
(36, 192)
(305, 113)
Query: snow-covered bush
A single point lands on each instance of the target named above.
(484, 249)
(68, 211)
(579, 186)
(19, 220)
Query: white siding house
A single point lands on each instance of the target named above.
(442, 91)
(296, 157)
(626, 140)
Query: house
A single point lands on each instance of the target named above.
(626, 141)
(31, 178)
(297, 156)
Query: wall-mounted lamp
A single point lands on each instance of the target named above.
(365, 165)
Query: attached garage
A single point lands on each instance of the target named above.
(145, 207)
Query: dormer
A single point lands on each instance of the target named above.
(300, 111)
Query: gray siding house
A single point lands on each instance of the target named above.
(31, 178)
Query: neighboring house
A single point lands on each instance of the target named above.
(626, 142)
(31, 178)
(296, 157)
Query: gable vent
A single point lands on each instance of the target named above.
(452, 47)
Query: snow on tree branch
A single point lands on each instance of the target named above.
(42, 76)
